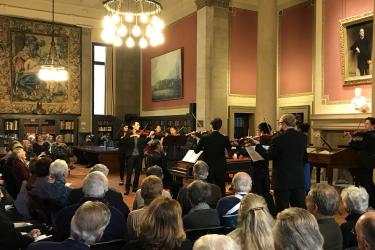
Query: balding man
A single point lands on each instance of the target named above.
(365, 230)
(227, 207)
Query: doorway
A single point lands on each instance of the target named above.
(242, 125)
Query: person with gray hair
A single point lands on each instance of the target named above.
(95, 186)
(228, 206)
(215, 242)
(356, 203)
(365, 230)
(287, 152)
(87, 227)
(297, 229)
(112, 196)
(58, 171)
(323, 202)
(200, 172)
(139, 202)
(201, 215)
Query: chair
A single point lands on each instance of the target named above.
(109, 245)
(194, 234)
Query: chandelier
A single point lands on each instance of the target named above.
(51, 70)
(133, 21)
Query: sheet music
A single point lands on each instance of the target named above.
(254, 155)
(191, 156)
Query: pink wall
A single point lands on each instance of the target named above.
(181, 34)
(334, 10)
(243, 51)
(295, 49)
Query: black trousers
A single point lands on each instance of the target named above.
(134, 162)
(218, 179)
(123, 163)
(294, 197)
(364, 177)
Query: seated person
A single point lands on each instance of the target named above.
(296, 228)
(323, 202)
(356, 203)
(365, 230)
(27, 146)
(216, 241)
(111, 196)
(95, 185)
(161, 228)
(58, 171)
(254, 230)
(87, 227)
(228, 207)
(157, 156)
(39, 146)
(138, 200)
(151, 187)
(200, 172)
(59, 150)
(201, 215)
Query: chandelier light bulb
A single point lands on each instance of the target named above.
(116, 18)
(160, 38)
(117, 41)
(136, 31)
(154, 41)
(157, 23)
(129, 18)
(107, 21)
(143, 18)
(122, 30)
(143, 43)
(149, 31)
(108, 35)
(130, 42)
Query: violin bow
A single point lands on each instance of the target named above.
(196, 121)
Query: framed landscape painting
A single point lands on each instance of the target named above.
(166, 76)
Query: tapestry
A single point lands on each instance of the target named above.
(24, 46)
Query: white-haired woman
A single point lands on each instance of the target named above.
(356, 202)
(216, 242)
(254, 230)
(16, 171)
(58, 172)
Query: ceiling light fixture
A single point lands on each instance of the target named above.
(135, 21)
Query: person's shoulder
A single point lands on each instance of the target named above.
(186, 245)
(133, 244)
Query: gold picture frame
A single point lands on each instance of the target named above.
(356, 65)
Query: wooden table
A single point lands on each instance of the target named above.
(91, 155)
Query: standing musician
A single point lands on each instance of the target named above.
(366, 147)
(135, 144)
(122, 150)
(158, 132)
(287, 151)
(213, 146)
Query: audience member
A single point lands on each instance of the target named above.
(40, 146)
(296, 228)
(216, 242)
(161, 228)
(112, 196)
(87, 227)
(95, 185)
(58, 172)
(157, 156)
(28, 147)
(356, 202)
(151, 187)
(154, 170)
(59, 150)
(255, 223)
(228, 207)
(323, 202)
(200, 172)
(365, 230)
(201, 215)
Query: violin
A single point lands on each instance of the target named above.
(198, 134)
(143, 132)
(354, 134)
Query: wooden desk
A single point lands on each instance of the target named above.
(91, 155)
(337, 158)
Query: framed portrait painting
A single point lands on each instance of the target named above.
(24, 47)
(166, 76)
(356, 45)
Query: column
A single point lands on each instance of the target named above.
(212, 62)
(266, 97)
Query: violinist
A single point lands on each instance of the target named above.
(135, 144)
(366, 147)
(122, 150)
(158, 132)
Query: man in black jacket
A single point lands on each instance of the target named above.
(213, 146)
(363, 176)
(287, 151)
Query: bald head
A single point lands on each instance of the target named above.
(242, 182)
(365, 229)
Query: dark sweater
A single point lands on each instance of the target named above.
(331, 233)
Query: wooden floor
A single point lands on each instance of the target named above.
(79, 172)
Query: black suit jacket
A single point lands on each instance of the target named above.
(287, 152)
(129, 144)
(113, 198)
(366, 149)
(66, 244)
(213, 146)
(116, 228)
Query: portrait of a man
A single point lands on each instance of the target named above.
(362, 48)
